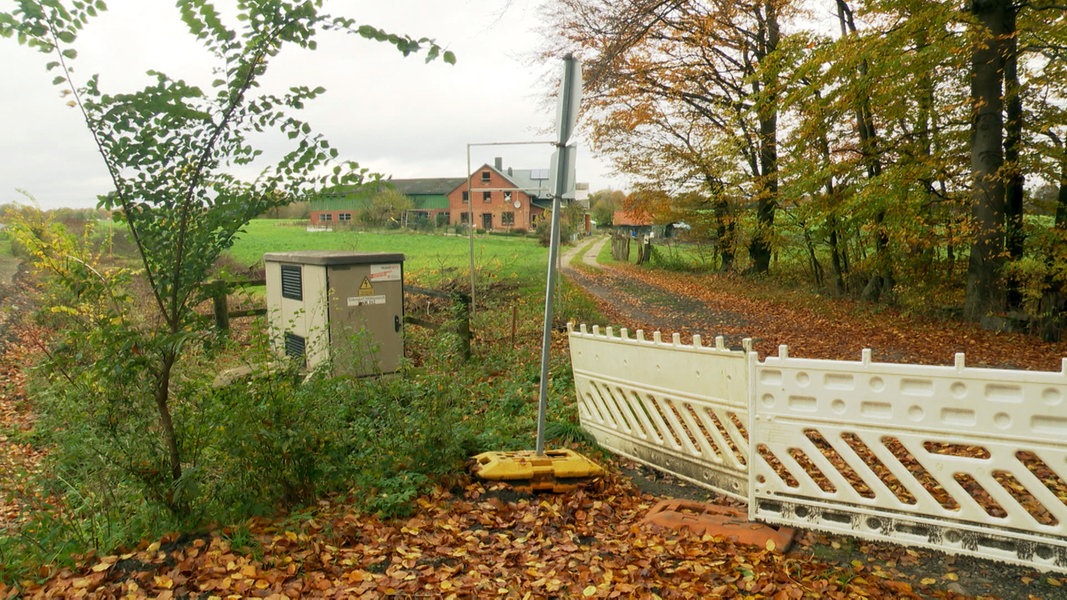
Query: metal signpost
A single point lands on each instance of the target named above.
(570, 97)
(563, 469)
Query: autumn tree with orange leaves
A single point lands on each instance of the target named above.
(685, 94)
(845, 138)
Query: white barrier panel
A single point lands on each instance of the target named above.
(962, 460)
(681, 409)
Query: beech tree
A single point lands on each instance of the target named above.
(869, 160)
(172, 151)
(687, 94)
(1018, 45)
(603, 204)
(996, 19)
(910, 132)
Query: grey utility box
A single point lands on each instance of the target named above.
(344, 307)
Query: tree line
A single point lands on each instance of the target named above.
(893, 147)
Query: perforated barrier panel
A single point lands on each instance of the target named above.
(681, 408)
(963, 460)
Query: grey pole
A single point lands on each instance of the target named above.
(569, 96)
(470, 229)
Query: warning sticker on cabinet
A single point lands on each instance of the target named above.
(365, 300)
(385, 272)
(365, 288)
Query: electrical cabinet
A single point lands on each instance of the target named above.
(345, 309)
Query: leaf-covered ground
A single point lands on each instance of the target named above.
(18, 457)
(478, 540)
(812, 326)
(473, 542)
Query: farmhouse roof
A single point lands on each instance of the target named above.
(627, 218)
(426, 186)
(533, 182)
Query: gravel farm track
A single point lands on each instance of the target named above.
(709, 305)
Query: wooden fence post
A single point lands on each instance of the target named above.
(620, 247)
(220, 290)
(219, 293)
(463, 324)
(461, 307)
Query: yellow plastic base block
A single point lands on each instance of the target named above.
(555, 470)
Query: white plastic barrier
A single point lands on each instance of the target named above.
(962, 460)
(679, 408)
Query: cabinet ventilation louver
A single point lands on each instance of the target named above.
(294, 345)
(292, 282)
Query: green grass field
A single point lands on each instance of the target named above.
(428, 258)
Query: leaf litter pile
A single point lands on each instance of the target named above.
(475, 541)
(812, 326)
(483, 540)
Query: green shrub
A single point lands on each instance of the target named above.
(268, 442)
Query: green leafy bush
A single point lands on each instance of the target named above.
(267, 442)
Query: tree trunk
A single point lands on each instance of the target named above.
(881, 279)
(1061, 199)
(170, 439)
(984, 295)
(723, 224)
(836, 262)
(813, 259)
(1015, 181)
(1051, 307)
(759, 249)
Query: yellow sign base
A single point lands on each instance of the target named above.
(554, 471)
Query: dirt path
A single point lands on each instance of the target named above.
(636, 304)
(587, 250)
(639, 298)
(18, 456)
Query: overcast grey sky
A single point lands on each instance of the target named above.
(397, 116)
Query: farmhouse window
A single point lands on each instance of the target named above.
(507, 196)
(327, 216)
(344, 217)
(487, 196)
(485, 176)
(507, 218)
(464, 218)
(466, 198)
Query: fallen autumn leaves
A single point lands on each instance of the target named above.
(476, 541)
(812, 326)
